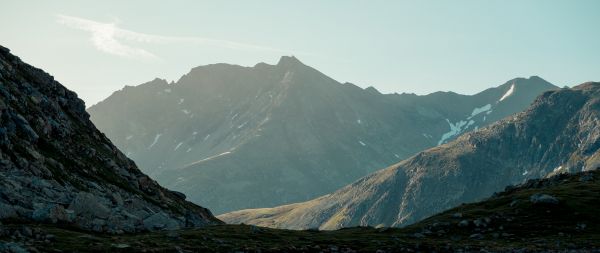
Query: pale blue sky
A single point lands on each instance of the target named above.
(395, 46)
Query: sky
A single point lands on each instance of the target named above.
(465, 46)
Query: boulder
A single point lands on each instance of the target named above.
(7, 211)
(87, 204)
(50, 213)
(540, 198)
(160, 221)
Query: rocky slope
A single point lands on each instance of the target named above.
(233, 137)
(56, 167)
(558, 214)
(559, 132)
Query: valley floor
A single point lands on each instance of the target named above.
(243, 238)
(556, 214)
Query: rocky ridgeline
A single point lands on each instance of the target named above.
(536, 208)
(56, 167)
(558, 133)
(233, 137)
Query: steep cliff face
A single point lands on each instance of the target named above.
(559, 132)
(56, 167)
(233, 137)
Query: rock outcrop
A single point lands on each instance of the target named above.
(56, 167)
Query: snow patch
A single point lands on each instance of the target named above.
(181, 101)
(242, 125)
(128, 137)
(455, 129)
(287, 77)
(525, 173)
(478, 110)
(178, 145)
(209, 158)
(207, 136)
(557, 169)
(508, 93)
(188, 150)
(155, 141)
(168, 90)
(185, 111)
(362, 143)
(358, 121)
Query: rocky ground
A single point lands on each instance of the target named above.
(56, 167)
(558, 214)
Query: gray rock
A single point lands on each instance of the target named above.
(86, 204)
(160, 221)
(457, 215)
(463, 223)
(116, 199)
(7, 211)
(98, 225)
(479, 223)
(179, 194)
(50, 213)
(418, 235)
(12, 247)
(121, 246)
(476, 236)
(540, 198)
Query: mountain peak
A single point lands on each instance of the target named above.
(289, 61)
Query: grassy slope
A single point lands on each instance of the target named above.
(514, 222)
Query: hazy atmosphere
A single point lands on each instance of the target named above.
(97, 47)
(300, 126)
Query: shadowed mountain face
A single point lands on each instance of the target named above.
(233, 137)
(560, 132)
(56, 167)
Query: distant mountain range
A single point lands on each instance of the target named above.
(233, 137)
(56, 167)
(559, 132)
(65, 187)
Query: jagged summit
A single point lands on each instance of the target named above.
(234, 137)
(156, 82)
(288, 61)
(56, 167)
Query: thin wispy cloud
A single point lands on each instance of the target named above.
(109, 38)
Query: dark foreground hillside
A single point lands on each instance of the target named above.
(555, 214)
(56, 167)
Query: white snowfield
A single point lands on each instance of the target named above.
(508, 93)
(155, 141)
(479, 110)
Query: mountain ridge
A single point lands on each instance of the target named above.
(276, 134)
(56, 167)
(509, 151)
